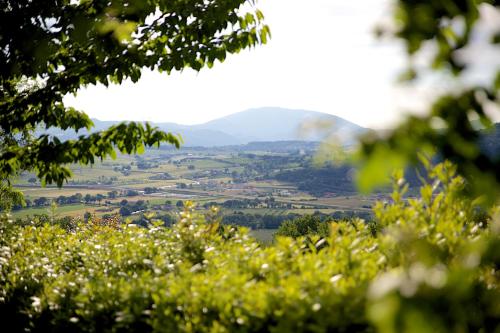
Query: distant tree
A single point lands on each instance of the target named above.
(77, 198)
(88, 198)
(142, 165)
(168, 219)
(61, 200)
(87, 216)
(41, 201)
(99, 197)
(149, 190)
(141, 204)
(125, 211)
(131, 193)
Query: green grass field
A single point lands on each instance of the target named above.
(68, 210)
(54, 192)
(264, 236)
(278, 212)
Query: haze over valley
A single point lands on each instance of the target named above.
(255, 125)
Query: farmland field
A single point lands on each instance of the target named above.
(59, 211)
(158, 180)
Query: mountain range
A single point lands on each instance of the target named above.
(254, 125)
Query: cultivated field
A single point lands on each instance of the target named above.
(158, 180)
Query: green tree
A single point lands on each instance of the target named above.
(52, 48)
(87, 216)
(450, 129)
(125, 211)
(99, 197)
(88, 198)
(307, 225)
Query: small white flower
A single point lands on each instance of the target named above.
(335, 278)
(36, 302)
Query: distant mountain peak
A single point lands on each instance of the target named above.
(252, 125)
(275, 124)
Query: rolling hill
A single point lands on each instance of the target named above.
(254, 125)
(277, 124)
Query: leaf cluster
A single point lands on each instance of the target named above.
(53, 48)
(451, 129)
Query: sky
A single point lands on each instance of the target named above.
(322, 56)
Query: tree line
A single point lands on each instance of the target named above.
(77, 198)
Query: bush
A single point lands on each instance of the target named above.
(427, 267)
(190, 276)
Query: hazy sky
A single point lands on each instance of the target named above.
(322, 57)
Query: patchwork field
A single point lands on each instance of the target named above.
(159, 180)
